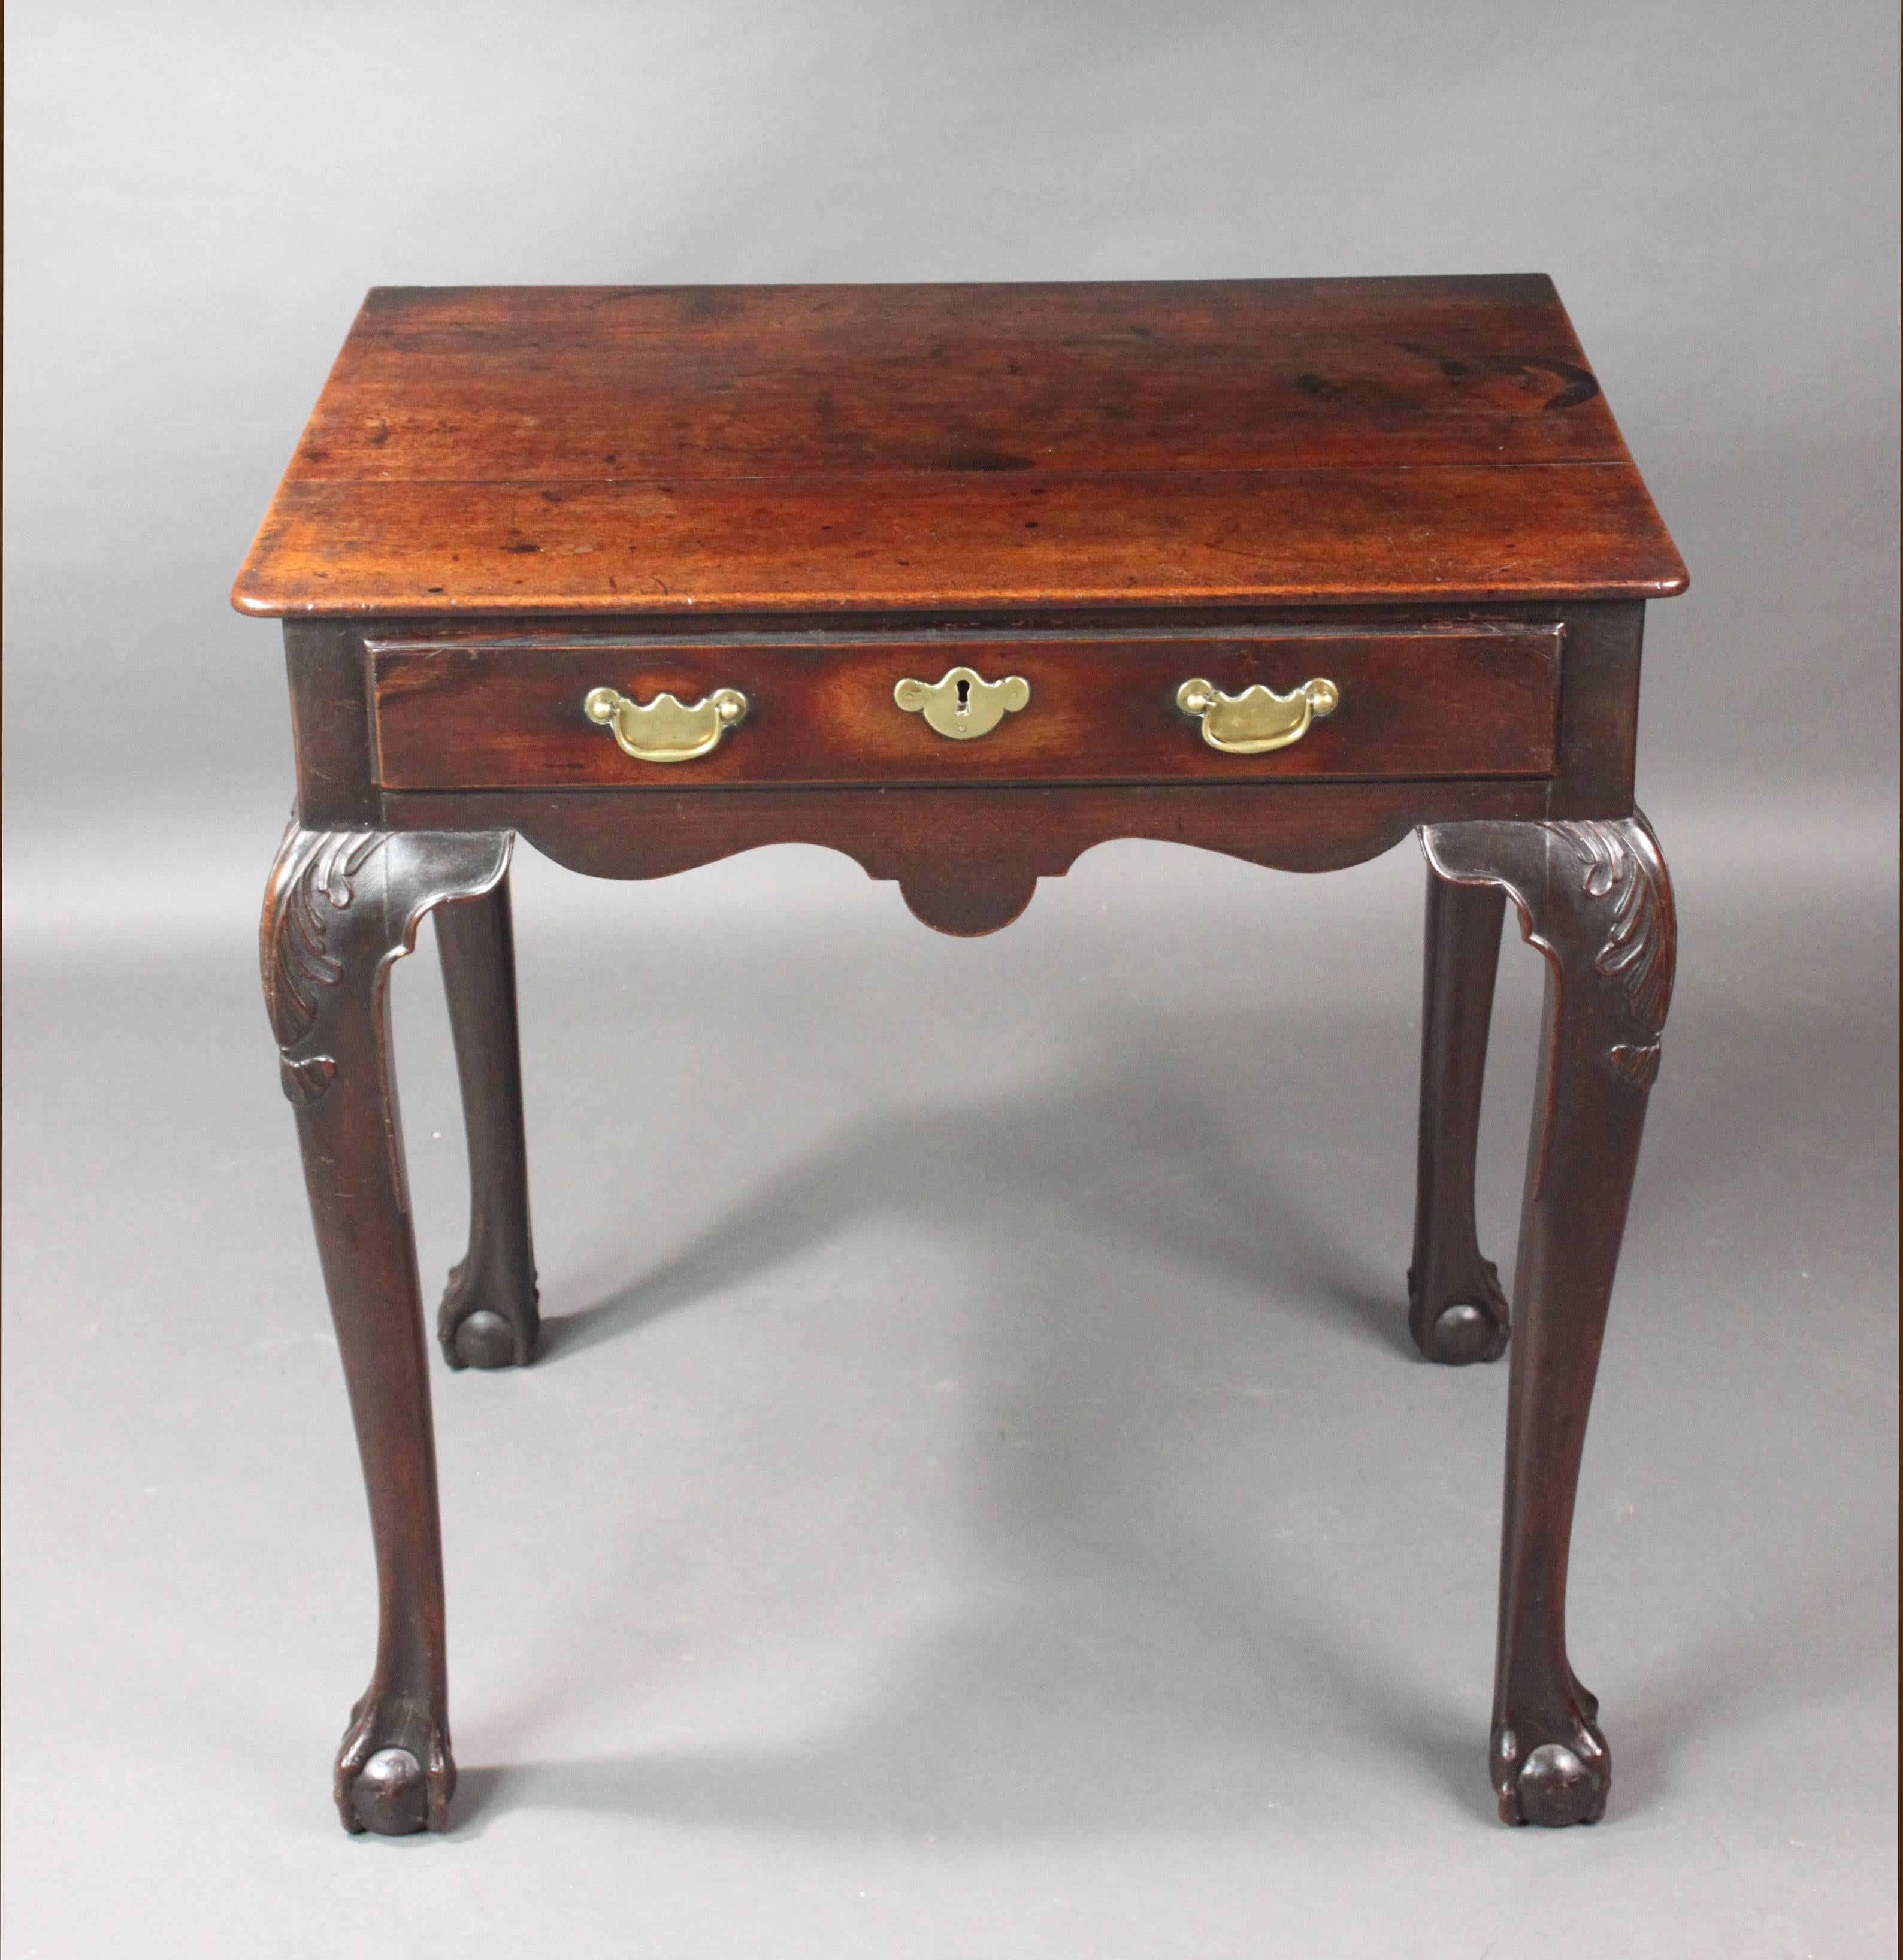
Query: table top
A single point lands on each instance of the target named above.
(797, 449)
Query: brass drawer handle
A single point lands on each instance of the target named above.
(665, 730)
(962, 705)
(1257, 719)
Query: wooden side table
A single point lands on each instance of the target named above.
(961, 581)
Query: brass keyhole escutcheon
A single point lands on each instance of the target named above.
(963, 705)
(1258, 719)
(666, 729)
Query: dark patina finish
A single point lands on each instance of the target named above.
(1407, 496)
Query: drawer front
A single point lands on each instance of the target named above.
(1415, 703)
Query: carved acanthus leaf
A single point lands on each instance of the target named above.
(319, 898)
(1640, 949)
(312, 880)
(1588, 885)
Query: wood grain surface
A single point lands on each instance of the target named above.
(577, 450)
(1482, 702)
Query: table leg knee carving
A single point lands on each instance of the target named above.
(1596, 898)
(340, 908)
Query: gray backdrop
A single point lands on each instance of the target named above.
(969, 1506)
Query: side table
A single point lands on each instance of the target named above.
(961, 581)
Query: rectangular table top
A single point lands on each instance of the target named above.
(773, 449)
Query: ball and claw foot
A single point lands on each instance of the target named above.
(481, 1335)
(1463, 1331)
(1555, 1783)
(392, 1788)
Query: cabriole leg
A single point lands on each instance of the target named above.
(490, 1316)
(340, 908)
(1596, 898)
(1455, 1309)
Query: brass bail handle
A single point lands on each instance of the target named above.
(1258, 719)
(666, 729)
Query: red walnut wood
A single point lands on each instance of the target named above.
(966, 861)
(649, 383)
(835, 449)
(1457, 702)
(506, 497)
(334, 667)
(1455, 1309)
(489, 1316)
(1596, 900)
(341, 906)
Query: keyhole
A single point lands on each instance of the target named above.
(964, 697)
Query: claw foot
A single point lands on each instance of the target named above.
(1473, 1326)
(480, 1325)
(395, 1773)
(1555, 1782)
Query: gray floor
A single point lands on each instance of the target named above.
(976, 1499)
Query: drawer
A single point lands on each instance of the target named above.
(1420, 702)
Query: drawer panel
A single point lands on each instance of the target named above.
(1414, 703)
